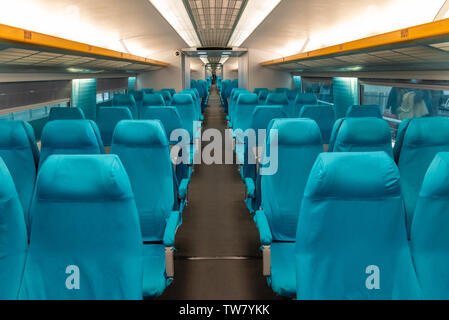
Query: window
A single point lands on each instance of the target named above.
(321, 87)
(33, 113)
(401, 100)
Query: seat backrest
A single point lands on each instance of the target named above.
(279, 99)
(195, 101)
(19, 152)
(363, 135)
(59, 113)
(301, 100)
(365, 111)
(138, 96)
(69, 137)
(167, 96)
(13, 237)
(263, 115)
(351, 231)
(147, 91)
(234, 97)
(244, 108)
(299, 144)
(281, 90)
(324, 116)
(420, 141)
(126, 100)
(187, 111)
(257, 90)
(107, 119)
(429, 236)
(85, 227)
(153, 100)
(144, 151)
(168, 116)
(292, 94)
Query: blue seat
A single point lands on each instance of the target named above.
(85, 226)
(299, 144)
(279, 99)
(417, 143)
(260, 120)
(244, 108)
(324, 116)
(361, 135)
(351, 232)
(429, 236)
(147, 91)
(138, 97)
(145, 153)
(292, 94)
(20, 153)
(196, 102)
(171, 90)
(126, 100)
(171, 121)
(13, 237)
(233, 101)
(58, 113)
(263, 94)
(257, 90)
(167, 96)
(187, 111)
(107, 119)
(153, 100)
(281, 90)
(70, 137)
(301, 100)
(372, 111)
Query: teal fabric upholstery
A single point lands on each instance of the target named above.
(187, 111)
(280, 99)
(352, 223)
(418, 142)
(19, 151)
(429, 236)
(324, 116)
(126, 100)
(363, 135)
(69, 137)
(84, 219)
(244, 108)
(371, 111)
(58, 113)
(153, 100)
(107, 119)
(13, 237)
(301, 100)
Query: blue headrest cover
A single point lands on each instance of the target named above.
(306, 98)
(436, 182)
(7, 187)
(248, 99)
(123, 100)
(277, 99)
(140, 133)
(113, 113)
(356, 175)
(153, 99)
(13, 135)
(309, 110)
(61, 113)
(364, 131)
(182, 99)
(83, 178)
(72, 133)
(296, 132)
(431, 131)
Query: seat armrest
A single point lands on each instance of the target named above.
(173, 223)
(250, 188)
(266, 237)
(183, 186)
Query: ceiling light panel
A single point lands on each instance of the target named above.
(254, 14)
(176, 14)
(215, 19)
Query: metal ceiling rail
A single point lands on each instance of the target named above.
(22, 36)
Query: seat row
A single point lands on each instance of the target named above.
(353, 208)
(73, 175)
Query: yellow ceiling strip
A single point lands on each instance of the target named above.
(9, 33)
(428, 30)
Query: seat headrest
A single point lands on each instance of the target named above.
(248, 99)
(83, 178)
(7, 187)
(292, 94)
(431, 131)
(296, 132)
(138, 95)
(436, 181)
(365, 111)
(364, 132)
(113, 113)
(140, 133)
(123, 100)
(277, 99)
(319, 110)
(182, 99)
(195, 90)
(354, 175)
(153, 99)
(13, 135)
(61, 113)
(306, 99)
(60, 134)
